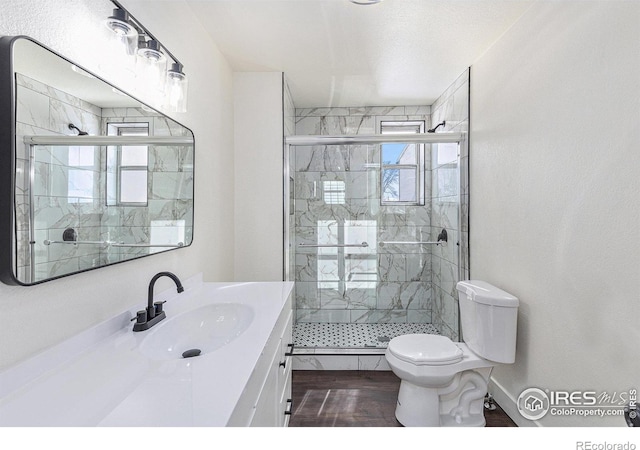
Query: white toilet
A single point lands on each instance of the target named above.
(443, 383)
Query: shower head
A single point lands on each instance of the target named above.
(433, 130)
(80, 132)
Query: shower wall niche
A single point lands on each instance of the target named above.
(358, 260)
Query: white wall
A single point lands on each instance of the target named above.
(33, 318)
(258, 188)
(555, 203)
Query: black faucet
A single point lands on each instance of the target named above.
(145, 319)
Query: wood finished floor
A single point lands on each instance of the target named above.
(350, 398)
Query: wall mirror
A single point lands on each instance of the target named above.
(90, 175)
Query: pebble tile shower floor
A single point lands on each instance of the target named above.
(354, 335)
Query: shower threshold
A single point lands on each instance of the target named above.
(351, 338)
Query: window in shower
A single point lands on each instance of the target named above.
(402, 165)
(127, 167)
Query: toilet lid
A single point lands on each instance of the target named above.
(425, 349)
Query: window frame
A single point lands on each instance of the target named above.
(404, 127)
(120, 129)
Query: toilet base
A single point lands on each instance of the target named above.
(419, 406)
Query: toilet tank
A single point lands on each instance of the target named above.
(488, 317)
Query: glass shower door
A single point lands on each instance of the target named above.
(359, 263)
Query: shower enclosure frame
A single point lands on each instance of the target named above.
(458, 138)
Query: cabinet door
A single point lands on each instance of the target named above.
(266, 401)
(285, 408)
(266, 414)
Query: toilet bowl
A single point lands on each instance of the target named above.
(425, 382)
(443, 383)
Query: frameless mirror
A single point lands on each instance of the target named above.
(90, 175)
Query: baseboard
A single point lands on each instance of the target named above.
(509, 404)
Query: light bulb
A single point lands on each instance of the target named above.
(152, 51)
(151, 66)
(123, 31)
(176, 89)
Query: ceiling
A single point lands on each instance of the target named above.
(335, 53)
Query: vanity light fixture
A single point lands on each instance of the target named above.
(124, 31)
(152, 59)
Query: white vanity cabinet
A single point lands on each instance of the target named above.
(104, 377)
(266, 400)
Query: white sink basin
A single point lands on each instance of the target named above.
(207, 329)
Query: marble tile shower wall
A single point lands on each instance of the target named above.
(337, 201)
(364, 120)
(61, 196)
(449, 189)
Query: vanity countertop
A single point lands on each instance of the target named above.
(100, 377)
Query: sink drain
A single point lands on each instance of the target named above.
(191, 353)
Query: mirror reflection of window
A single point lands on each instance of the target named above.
(446, 173)
(133, 186)
(447, 153)
(81, 174)
(127, 167)
(80, 186)
(333, 192)
(346, 268)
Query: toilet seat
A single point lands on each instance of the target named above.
(425, 349)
